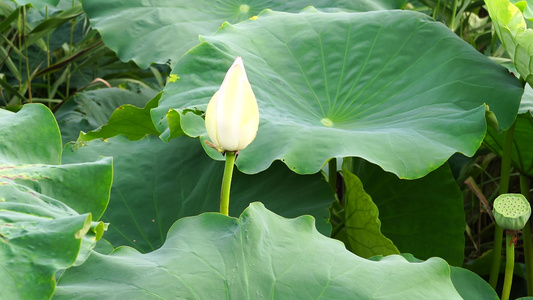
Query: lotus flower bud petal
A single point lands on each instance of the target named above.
(511, 211)
(232, 116)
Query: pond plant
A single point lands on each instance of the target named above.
(365, 142)
(511, 212)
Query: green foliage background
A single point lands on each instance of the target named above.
(373, 115)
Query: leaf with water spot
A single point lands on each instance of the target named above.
(393, 87)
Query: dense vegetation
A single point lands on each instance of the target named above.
(388, 125)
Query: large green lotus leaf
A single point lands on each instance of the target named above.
(161, 31)
(260, 255)
(38, 236)
(156, 183)
(522, 153)
(362, 222)
(89, 110)
(29, 136)
(46, 209)
(467, 283)
(517, 39)
(84, 187)
(471, 286)
(393, 87)
(424, 217)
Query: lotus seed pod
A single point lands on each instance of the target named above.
(511, 211)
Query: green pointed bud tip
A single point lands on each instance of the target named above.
(491, 119)
(511, 211)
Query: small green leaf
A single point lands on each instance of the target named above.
(131, 121)
(191, 118)
(362, 223)
(424, 217)
(90, 110)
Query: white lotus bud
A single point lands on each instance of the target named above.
(232, 116)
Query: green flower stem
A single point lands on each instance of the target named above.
(226, 183)
(504, 187)
(332, 168)
(509, 264)
(526, 234)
